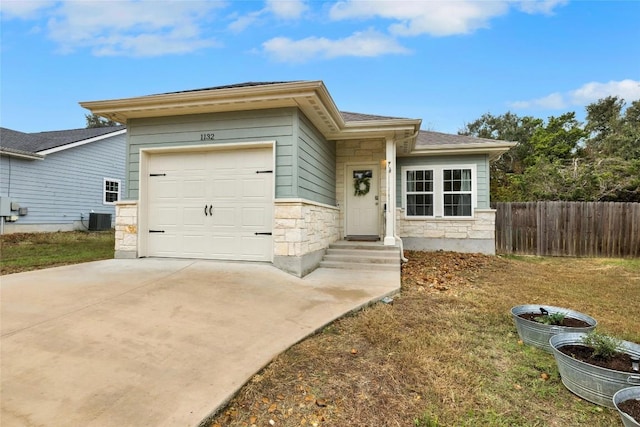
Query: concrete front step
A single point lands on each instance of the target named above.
(360, 266)
(362, 256)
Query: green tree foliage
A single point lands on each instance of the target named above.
(95, 121)
(562, 159)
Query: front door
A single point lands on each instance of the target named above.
(362, 198)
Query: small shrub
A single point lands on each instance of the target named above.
(551, 319)
(604, 346)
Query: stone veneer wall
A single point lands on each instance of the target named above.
(358, 151)
(460, 235)
(126, 229)
(302, 231)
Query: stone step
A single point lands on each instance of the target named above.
(361, 256)
(360, 266)
(378, 247)
(365, 253)
(364, 258)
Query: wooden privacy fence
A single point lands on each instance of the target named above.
(580, 229)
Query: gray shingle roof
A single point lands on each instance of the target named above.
(232, 86)
(358, 117)
(40, 141)
(430, 138)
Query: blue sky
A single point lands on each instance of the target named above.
(446, 62)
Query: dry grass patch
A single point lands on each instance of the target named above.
(445, 353)
(33, 251)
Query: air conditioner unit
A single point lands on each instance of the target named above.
(99, 221)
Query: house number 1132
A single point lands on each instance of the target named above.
(207, 137)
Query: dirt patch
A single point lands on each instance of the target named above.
(620, 362)
(566, 321)
(632, 408)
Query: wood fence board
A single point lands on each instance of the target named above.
(592, 229)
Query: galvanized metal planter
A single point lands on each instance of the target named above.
(590, 382)
(538, 334)
(626, 394)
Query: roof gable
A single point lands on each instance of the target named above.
(17, 142)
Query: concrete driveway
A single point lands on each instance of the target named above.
(156, 342)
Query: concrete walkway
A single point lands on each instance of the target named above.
(156, 342)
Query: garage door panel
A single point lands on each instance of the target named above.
(194, 246)
(224, 247)
(224, 188)
(164, 189)
(224, 217)
(194, 216)
(241, 202)
(254, 217)
(163, 244)
(164, 216)
(255, 188)
(194, 189)
(254, 246)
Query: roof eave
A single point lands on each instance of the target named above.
(397, 129)
(20, 154)
(311, 97)
(493, 150)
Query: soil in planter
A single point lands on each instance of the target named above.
(567, 321)
(620, 362)
(631, 407)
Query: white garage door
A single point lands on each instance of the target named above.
(214, 205)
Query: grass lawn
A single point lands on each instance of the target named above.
(446, 352)
(33, 251)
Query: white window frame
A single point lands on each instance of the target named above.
(105, 192)
(438, 189)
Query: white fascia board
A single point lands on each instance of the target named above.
(21, 154)
(82, 142)
(494, 150)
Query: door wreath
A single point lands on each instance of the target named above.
(361, 185)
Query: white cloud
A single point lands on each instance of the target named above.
(541, 6)
(361, 44)
(23, 9)
(282, 9)
(244, 22)
(437, 18)
(287, 9)
(628, 89)
(128, 27)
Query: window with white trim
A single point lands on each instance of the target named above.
(111, 193)
(439, 191)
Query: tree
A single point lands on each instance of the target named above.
(95, 121)
(562, 159)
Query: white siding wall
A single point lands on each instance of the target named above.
(66, 184)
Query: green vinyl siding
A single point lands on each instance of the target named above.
(315, 164)
(230, 127)
(481, 161)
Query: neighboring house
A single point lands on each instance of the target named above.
(54, 181)
(275, 172)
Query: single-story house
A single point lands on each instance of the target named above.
(276, 172)
(60, 180)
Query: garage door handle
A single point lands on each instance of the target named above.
(262, 234)
(205, 210)
(210, 207)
